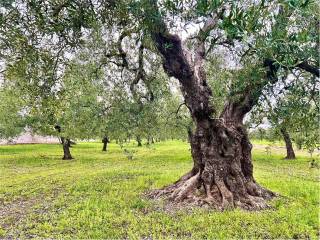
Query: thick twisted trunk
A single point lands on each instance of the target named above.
(286, 137)
(222, 174)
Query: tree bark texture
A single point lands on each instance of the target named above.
(222, 174)
(287, 139)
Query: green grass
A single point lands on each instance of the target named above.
(267, 142)
(98, 195)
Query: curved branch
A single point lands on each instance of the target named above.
(203, 34)
(140, 73)
(315, 70)
(122, 53)
(178, 63)
(235, 109)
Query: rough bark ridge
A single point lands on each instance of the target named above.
(286, 137)
(222, 175)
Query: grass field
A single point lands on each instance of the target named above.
(99, 195)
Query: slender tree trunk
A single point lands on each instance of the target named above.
(105, 141)
(66, 149)
(286, 137)
(65, 142)
(152, 140)
(139, 141)
(104, 148)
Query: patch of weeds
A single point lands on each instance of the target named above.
(2, 232)
(129, 153)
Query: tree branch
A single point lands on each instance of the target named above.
(240, 103)
(309, 68)
(314, 70)
(203, 34)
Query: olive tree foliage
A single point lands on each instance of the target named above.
(141, 117)
(263, 38)
(293, 110)
(56, 66)
(82, 106)
(177, 121)
(69, 106)
(12, 121)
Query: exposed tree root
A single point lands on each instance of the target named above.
(193, 192)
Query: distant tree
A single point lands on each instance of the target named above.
(135, 113)
(105, 141)
(68, 108)
(293, 109)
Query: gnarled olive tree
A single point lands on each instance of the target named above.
(222, 174)
(259, 34)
